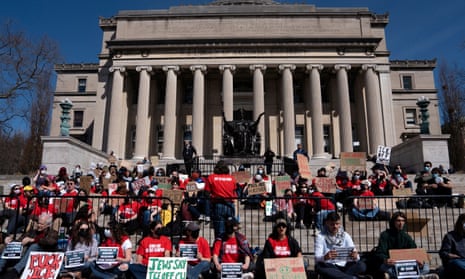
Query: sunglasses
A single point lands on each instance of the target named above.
(282, 225)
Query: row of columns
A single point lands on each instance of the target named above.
(116, 139)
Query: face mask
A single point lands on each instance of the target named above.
(426, 168)
(229, 229)
(83, 232)
(356, 177)
(195, 234)
(260, 172)
(17, 191)
(157, 231)
(107, 233)
(435, 175)
(43, 172)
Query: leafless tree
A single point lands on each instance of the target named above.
(452, 104)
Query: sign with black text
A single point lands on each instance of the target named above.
(107, 255)
(74, 258)
(407, 269)
(13, 250)
(231, 270)
(188, 251)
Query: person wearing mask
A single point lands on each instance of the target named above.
(365, 205)
(201, 263)
(115, 236)
(331, 241)
(399, 179)
(424, 176)
(127, 215)
(188, 153)
(300, 150)
(395, 237)
(280, 244)
(452, 250)
(14, 206)
(232, 247)
(39, 238)
(441, 185)
(70, 195)
(321, 206)
(153, 245)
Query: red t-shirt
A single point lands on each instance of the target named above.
(281, 248)
(70, 205)
(202, 247)
(325, 203)
(153, 247)
(49, 209)
(128, 210)
(222, 186)
(230, 248)
(12, 203)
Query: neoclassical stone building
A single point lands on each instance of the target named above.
(322, 76)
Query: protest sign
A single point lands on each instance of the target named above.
(107, 255)
(231, 270)
(174, 195)
(282, 183)
(304, 168)
(383, 155)
(191, 187)
(167, 267)
(85, 183)
(344, 254)
(325, 184)
(112, 187)
(418, 254)
(256, 188)
(407, 269)
(43, 265)
(241, 176)
(74, 258)
(285, 268)
(188, 251)
(351, 161)
(13, 250)
(402, 192)
(137, 184)
(61, 204)
(365, 203)
(164, 182)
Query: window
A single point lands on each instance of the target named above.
(82, 83)
(160, 138)
(411, 117)
(78, 118)
(299, 134)
(407, 82)
(187, 132)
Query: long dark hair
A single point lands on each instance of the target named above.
(75, 238)
(458, 228)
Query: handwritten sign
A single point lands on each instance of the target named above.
(167, 267)
(43, 265)
(351, 161)
(325, 184)
(164, 182)
(107, 255)
(256, 188)
(285, 268)
(304, 168)
(191, 187)
(188, 251)
(418, 254)
(282, 183)
(74, 258)
(13, 250)
(139, 183)
(85, 182)
(174, 195)
(241, 176)
(402, 192)
(366, 203)
(231, 270)
(383, 155)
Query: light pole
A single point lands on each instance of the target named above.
(65, 117)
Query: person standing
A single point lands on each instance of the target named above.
(300, 150)
(452, 250)
(327, 244)
(189, 153)
(268, 160)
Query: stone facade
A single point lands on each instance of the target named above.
(322, 76)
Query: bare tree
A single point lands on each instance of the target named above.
(452, 103)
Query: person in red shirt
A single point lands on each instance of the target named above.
(151, 202)
(201, 261)
(232, 247)
(154, 245)
(14, 205)
(71, 193)
(127, 215)
(222, 187)
(365, 206)
(321, 205)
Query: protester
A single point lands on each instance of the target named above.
(452, 251)
(14, 206)
(268, 157)
(333, 238)
(188, 153)
(300, 150)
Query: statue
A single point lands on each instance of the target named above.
(241, 136)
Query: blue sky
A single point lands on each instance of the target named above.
(418, 29)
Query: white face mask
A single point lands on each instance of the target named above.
(107, 233)
(43, 172)
(17, 191)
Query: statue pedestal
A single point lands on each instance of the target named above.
(412, 153)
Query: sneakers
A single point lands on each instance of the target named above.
(248, 275)
(429, 276)
(201, 217)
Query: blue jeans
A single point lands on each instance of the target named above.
(138, 271)
(350, 270)
(221, 212)
(111, 273)
(19, 266)
(365, 213)
(455, 268)
(193, 271)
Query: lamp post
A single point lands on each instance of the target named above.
(65, 117)
(423, 103)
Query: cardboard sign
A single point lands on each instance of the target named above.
(105, 182)
(285, 268)
(304, 167)
(241, 176)
(188, 251)
(136, 185)
(85, 182)
(174, 195)
(407, 269)
(167, 267)
(61, 203)
(383, 155)
(282, 183)
(418, 254)
(43, 265)
(402, 192)
(256, 188)
(351, 161)
(112, 187)
(13, 250)
(191, 187)
(74, 258)
(231, 270)
(365, 203)
(164, 182)
(107, 255)
(325, 184)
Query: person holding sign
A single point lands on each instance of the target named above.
(196, 249)
(365, 206)
(452, 251)
(280, 244)
(154, 245)
(395, 237)
(335, 252)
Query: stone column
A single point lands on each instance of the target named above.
(288, 108)
(316, 110)
(198, 108)
(170, 124)
(374, 109)
(343, 107)
(259, 101)
(142, 121)
(228, 90)
(385, 84)
(116, 140)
